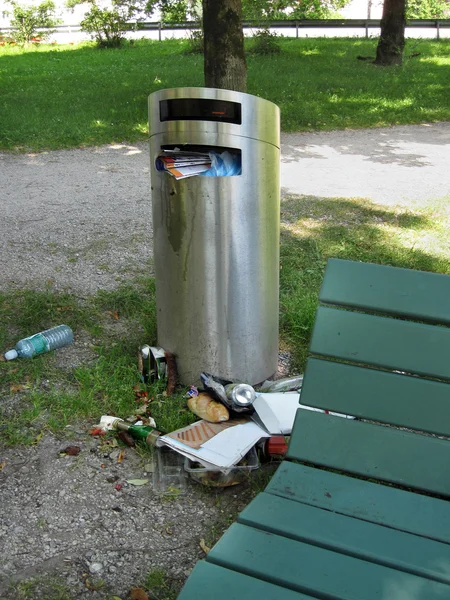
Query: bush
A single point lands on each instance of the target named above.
(195, 43)
(28, 20)
(265, 42)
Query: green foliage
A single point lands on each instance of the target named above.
(27, 20)
(269, 10)
(427, 9)
(196, 42)
(266, 42)
(107, 24)
(175, 11)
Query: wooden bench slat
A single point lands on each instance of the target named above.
(382, 341)
(416, 294)
(373, 502)
(315, 571)
(401, 457)
(208, 581)
(381, 545)
(378, 395)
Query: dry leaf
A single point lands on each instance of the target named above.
(18, 387)
(71, 450)
(138, 594)
(97, 431)
(137, 481)
(204, 547)
(2, 465)
(121, 456)
(114, 314)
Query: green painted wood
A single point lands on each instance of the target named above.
(377, 395)
(408, 459)
(382, 341)
(399, 509)
(370, 542)
(211, 582)
(316, 571)
(379, 288)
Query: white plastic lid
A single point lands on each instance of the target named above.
(11, 354)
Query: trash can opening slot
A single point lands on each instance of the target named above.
(200, 109)
(188, 160)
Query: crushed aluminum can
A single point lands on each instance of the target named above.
(152, 364)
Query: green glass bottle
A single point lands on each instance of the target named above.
(143, 433)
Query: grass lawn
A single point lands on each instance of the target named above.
(69, 96)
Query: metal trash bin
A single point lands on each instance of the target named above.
(216, 239)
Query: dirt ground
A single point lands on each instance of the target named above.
(82, 220)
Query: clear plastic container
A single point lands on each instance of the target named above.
(169, 478)
(213, 478)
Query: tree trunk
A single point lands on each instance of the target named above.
(224, 65)
(392, 36)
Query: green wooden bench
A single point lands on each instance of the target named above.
(358, 510)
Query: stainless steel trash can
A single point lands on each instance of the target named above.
(216, 239)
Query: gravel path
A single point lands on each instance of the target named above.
(81, 219)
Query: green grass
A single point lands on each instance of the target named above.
(72, 96)
(55, 394)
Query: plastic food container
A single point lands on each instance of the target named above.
(238, 474)
(169, 477)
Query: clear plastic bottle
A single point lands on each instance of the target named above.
(42, 342)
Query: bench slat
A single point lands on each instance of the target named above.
(312, 570)
(376, 503)
(381, 545)
(382, 341)
(408, 459)
(208, 581)
(417, 294)
(378, 395)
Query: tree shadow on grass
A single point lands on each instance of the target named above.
(315, 229)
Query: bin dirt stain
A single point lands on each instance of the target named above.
(175, 216)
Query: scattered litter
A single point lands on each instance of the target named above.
(288, 384)
(42, 342)
(193, 391)
(144, 433)
(118, 487)
(276, 446)
(206, 549)
(205, 407)
(121, 456)
(71, 451)
(214, 478)
(169, 478)
(217, 446)
(137, 481)
(152, 364)
(240, 395)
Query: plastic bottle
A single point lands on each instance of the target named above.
(42, 342)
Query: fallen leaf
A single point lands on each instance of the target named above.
(138, 594)
(118, 487)
(102, 466)
(137, 481)
(2, 465)
(38, 438)
(18, 387)
(71, 450)
(97, 431)
(204, 547)
(114, 314)
(121, 456)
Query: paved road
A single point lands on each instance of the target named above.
(81, 218)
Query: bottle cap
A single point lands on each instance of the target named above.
(11, 354)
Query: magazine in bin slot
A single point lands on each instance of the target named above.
(210, 162)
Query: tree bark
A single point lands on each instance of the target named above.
(224, 58)
(392, 36)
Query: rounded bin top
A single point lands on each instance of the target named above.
(214, 111)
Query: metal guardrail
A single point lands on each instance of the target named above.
(366, 24)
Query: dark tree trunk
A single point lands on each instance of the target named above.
(392, 36)
(224, 65)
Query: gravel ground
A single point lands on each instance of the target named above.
(81, 219)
